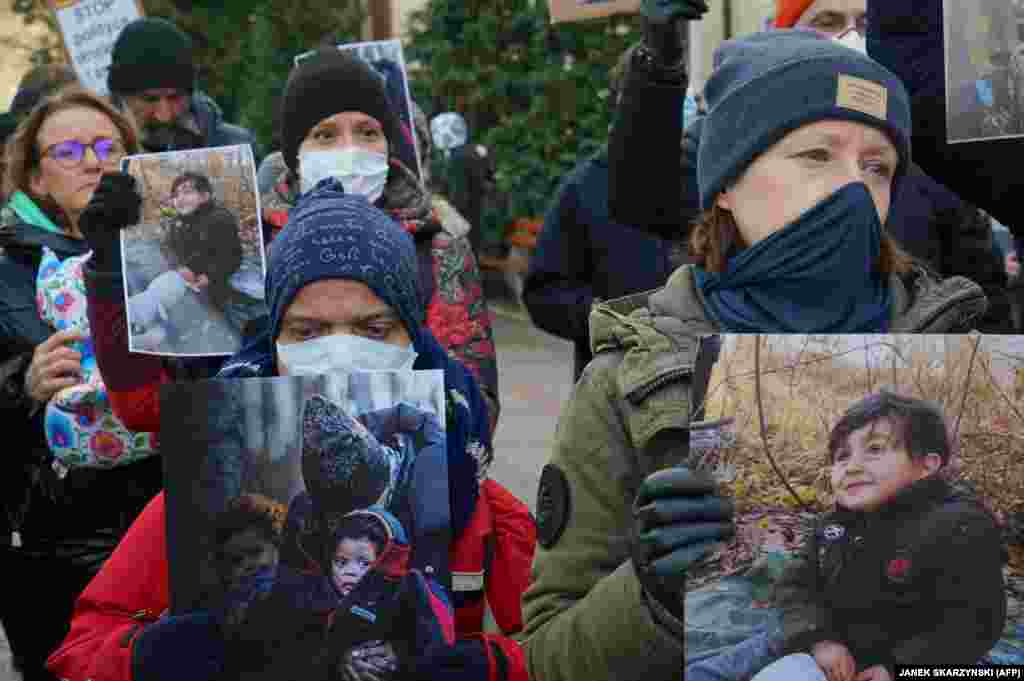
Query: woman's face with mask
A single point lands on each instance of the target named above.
(340, 307)
(807, 166)
(350, 147)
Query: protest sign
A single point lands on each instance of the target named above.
(90, 28)
(194, 266)
(579, 10)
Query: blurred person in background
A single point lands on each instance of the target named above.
(153, 74)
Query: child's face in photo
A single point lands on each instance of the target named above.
(874, 465)
(186, 198)
(352, 560)
(243, 555)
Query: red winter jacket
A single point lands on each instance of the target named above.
(492, 557)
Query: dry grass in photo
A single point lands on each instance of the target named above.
(807, 383)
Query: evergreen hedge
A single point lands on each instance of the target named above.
(536, 95)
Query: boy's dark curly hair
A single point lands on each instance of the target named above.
(199, 181)
(362, 526)
(920, 424)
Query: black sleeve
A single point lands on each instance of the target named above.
(225, 252)
(15, 404)
(805, 620)
(557, 291)
(644, 159)
(970, 252)
(906, 36)
(967, 611)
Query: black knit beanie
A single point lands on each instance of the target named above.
(326, 83)
(151, 53)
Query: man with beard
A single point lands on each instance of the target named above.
(152, 74)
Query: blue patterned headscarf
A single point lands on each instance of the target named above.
(331, 235)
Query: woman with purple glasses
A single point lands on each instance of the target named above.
(72, 477)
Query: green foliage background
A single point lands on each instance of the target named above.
(536, 94)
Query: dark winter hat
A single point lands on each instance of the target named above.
(767, 85)
(324, 84)
(151, 53)
(333, 236)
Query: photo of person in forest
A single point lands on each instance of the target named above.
(192, 268)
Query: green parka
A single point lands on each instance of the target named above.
(586, 615)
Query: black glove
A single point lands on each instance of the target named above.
(678, 519)
(662, 30)
(115, 204)
(465, 660)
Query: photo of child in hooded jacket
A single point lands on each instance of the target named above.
(361, 542)
(905, 570)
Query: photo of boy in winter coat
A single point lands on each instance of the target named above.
(905, 570)
(360, 543)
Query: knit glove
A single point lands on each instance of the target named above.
(661, 26)
(678, 519)
(115, 204)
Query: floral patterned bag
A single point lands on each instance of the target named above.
(81, 427)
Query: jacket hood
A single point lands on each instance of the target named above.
(393, 558)
(658, 334)
(208, 114)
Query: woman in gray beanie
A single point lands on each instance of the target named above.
(802, 143)
(799, 155)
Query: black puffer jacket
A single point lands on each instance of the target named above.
(918, 582)
(583, 255)
(82, 515)
(207, 242)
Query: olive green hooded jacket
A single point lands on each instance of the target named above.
(587, 617)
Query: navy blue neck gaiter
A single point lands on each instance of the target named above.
(816, 275)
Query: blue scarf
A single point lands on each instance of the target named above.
(468, 427)
(816, 275)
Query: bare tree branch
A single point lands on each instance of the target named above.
(967, 386)
(764, 425)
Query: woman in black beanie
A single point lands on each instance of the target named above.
(336, 120)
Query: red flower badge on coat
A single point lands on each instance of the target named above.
(898, 569)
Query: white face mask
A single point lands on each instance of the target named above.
(853, 40)
(360, 171)
(343, 352)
